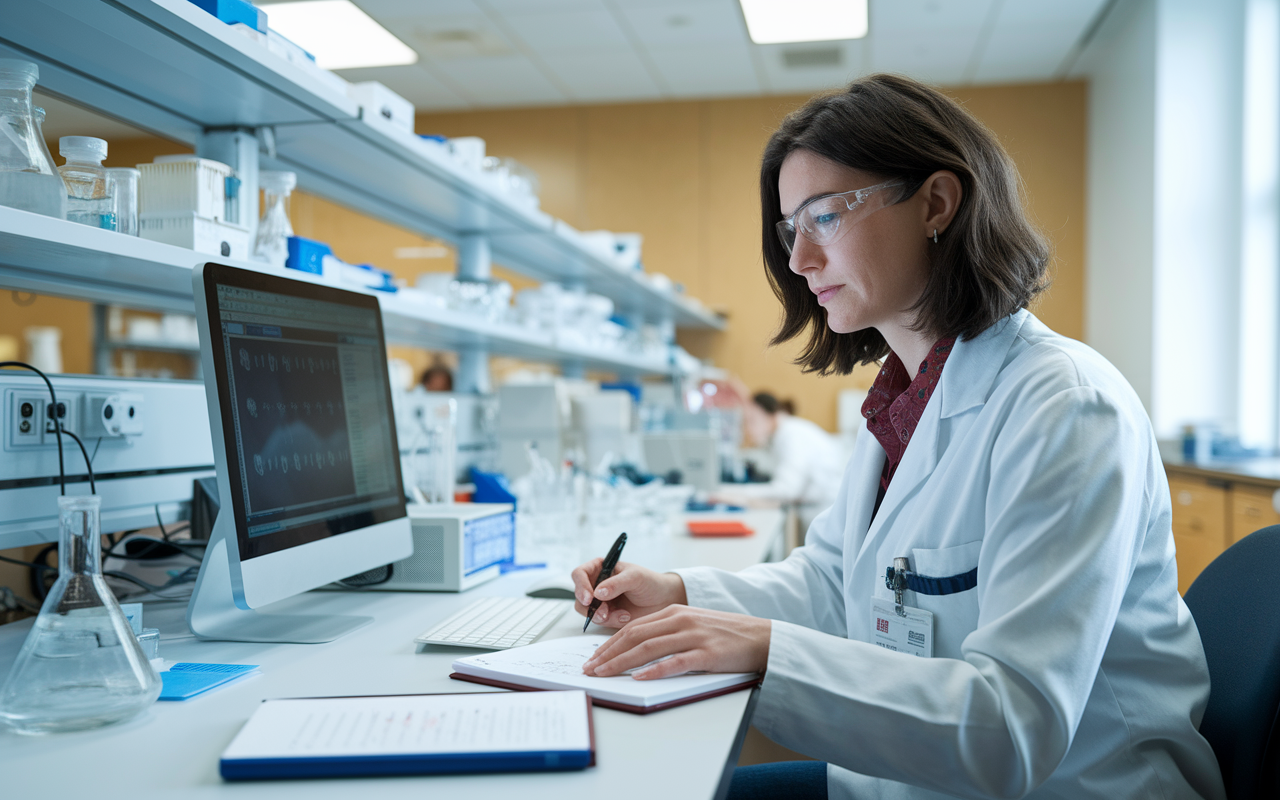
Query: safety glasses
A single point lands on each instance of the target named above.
(823, 220)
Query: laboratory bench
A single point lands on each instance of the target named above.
(1216, 504)
(172, 749)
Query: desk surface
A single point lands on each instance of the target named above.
(174, 747)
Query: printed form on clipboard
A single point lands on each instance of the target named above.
(557, 664)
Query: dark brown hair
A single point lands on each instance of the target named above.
(990, 261)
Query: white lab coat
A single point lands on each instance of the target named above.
(1072, 670)
(808, 464)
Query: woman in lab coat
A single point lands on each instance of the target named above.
(1032, 640)
(807, 461)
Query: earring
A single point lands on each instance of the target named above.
(935, 235)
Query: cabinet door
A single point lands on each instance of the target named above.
(1199, 526)
(1251, 509)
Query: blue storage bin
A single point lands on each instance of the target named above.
(307, 255)
(233, 11)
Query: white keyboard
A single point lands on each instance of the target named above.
(496, 623)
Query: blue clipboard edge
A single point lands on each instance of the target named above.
(245, 769)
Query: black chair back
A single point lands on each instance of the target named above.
(1236, 606)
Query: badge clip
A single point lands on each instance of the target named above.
(895, 578)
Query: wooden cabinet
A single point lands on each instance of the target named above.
(1252, 508)
(1200, 525)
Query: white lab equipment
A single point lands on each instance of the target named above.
(28, 179)
(184, 184)
(89, 198)
(81, 665)
(455, 546)
(275, 229)
(44, 348)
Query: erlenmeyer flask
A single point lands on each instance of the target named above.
(81, 666)
(28, 179)
(274, 230)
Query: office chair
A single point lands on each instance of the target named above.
(1236, 606)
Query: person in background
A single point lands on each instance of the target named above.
(438, 377)
(807, 461)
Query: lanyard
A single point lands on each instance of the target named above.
(899, 578)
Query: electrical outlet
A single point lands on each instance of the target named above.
(68, 413)
(26, 418)
(112, 415)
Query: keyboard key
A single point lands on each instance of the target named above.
(496, 623)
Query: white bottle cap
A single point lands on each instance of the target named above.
(82, 148)
(11, 68)
(277, 182)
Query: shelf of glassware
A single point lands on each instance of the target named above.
(52, 256)
(168, 67)
(389, 173)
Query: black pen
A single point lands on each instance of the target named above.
(606, 570)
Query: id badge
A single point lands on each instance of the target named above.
(912, 633)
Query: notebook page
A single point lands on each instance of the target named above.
(493, 722)
(557, 664)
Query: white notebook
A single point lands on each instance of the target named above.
(557, 664)
(412, 735)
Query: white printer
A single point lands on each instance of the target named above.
(455, 546)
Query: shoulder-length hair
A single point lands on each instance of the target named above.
(989, 262)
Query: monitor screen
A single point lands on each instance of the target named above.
(306, 409)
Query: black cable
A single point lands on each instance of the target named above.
(163, 533)
(88, 462)
(95, 450)
(153, 544)
(151, 587)
(57, 426)
(38, 570)
(29, 564)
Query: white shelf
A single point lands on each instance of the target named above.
(52, 256)
(168, 67)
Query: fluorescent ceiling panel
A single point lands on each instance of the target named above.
(338, 34)
(783, 21)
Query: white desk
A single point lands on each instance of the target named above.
(172, 749)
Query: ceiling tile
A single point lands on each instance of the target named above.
(523, 6)
(906, 17)
(502, 81)
(783, 79)
(1076, 14)
(415, 9)
(595, 76)
(1025, 53)
(707, 71)
(677, 24)
(549, 31)
(938, 58)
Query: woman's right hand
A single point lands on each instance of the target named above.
(632, 591)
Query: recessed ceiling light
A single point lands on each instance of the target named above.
(338, 34)
(779, 21)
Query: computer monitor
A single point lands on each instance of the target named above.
(305, 448)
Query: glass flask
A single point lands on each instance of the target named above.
(274, 230)
(89, 198)
(28, 180)
(80, 666)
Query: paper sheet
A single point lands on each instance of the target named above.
(415, 724)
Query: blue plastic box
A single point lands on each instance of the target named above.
(233, 11)
(307, 255)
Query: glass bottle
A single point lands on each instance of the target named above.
(89, 199)
(124, 188)
(28, 179)
(80, 666)
(274, 230)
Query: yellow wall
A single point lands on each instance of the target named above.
(685, 175)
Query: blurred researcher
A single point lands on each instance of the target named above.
(438, 377)
(807, 461)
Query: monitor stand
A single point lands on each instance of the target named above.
(213, 613)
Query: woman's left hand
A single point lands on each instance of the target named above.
(697, 639)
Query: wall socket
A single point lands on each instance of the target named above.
(113, 414)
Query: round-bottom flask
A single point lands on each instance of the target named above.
(80, 666)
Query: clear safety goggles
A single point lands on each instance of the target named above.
(823, 220)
